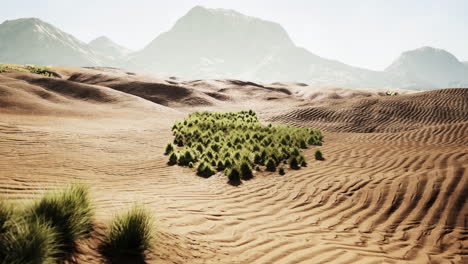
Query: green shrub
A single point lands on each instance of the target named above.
(271, 165)
(130, 234)
(234, 176)
(172, 159)
(245, 170)
(169, 149)
(220, 166)
(281, 171)
(294, 163)
(29, 241)
(205, 170)
(318, 155)
(68, 211)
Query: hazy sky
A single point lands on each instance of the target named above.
(365, 33)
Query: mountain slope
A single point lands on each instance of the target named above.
(107, 47)
(220, 43)
(212, 43)
(435, 66)
(32, 41)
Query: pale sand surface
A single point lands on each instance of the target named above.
(393, 187)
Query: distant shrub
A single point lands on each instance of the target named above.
(205, 170)
(234, 176)
(245, 170)
(294, 163)
(217, 138)
(281, 171)
(172, 159)
(130, 234)
(169, 149)
(271, 165)
(318, 155)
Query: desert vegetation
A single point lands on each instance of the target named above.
(130, 234)
(30, 68)
(47, 230)
(236, 143)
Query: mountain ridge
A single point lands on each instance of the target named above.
(221, 43)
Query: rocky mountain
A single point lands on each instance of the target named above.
(32, 41)
(107, 47)
(220, 43)
(431, 65)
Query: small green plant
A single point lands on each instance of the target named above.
(318, 155)
(169, 149)
(68, 211)
(271, 165)
(130, 234)
(173, 159)
(281, 171)
(245, 170)
(234, 176)
(205, 170)
(294, 163)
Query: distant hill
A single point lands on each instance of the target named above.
(219, 44)
(109, 48)
(435, 66)
(32, 41)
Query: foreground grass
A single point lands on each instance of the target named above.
(69, 211)
(47, 230)
(130, 235)
(236, 142)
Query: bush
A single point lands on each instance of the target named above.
(29, 242)
(234, 176)
(245, 170)
(68, 211)
(281, 171)
(172, 159)
(294, 163)
(271, 165)
(130, 234)
(205, 170)
(220, 166)
(169, 149)
(318, 155)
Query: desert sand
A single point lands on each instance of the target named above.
(392, 189)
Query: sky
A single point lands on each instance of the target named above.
(364, 33)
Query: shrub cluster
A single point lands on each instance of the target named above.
(36, 69)
(236, 142)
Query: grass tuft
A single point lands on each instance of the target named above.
(29, 241)
(130, 234)
(68, 211)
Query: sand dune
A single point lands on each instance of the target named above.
(393, 187)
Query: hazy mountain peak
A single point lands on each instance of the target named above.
(107, 47)
(33, 41)
(437, 66)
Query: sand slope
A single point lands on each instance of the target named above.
(396, 194)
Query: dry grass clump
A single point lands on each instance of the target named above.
(236, 142)
(130, 235)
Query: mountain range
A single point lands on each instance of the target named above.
(219, 43)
